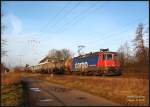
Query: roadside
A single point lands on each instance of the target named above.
(117, 89)
(126, 91)
(11, 89)
(43, 93)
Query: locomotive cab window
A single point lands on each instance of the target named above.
(104, 56)
(109, 56)
(116, 57)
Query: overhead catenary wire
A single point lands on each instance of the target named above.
(78, 17)
(77, 21)
(55, 17)
(124, 29)
(46, 25)
(123, 41)
(104, 43)
(67, 14)
(116, 43)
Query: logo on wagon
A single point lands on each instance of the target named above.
(81, 65)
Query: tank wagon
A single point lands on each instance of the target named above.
(97, 63)
(52, 66)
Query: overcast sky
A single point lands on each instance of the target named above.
(33, 28)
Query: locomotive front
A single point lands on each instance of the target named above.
(109, 63)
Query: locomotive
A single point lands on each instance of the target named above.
(97, 63)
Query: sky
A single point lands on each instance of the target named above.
(32, 28)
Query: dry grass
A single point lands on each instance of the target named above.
(115, 89)
(11, 89)
(11, 78)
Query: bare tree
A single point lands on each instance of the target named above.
(66, 53)
(140, 51)
(52, 53)
(3, 41)
(121, 54)
(62, 54)
(59, 55)
(125, 55)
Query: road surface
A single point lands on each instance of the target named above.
(43, 93)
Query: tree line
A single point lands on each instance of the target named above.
(62, 54)
(136, 59)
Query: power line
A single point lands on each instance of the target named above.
(120, 36)
(55, 17)
(125, 28)
(115, 43)
(81, 15)
(71, 10)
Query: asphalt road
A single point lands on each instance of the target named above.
(43, 93)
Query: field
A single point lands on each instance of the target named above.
(126, 91)
(11, 89)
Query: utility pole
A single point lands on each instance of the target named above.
(33, 44)
(20, 59)
(5, 59)
(80, 47)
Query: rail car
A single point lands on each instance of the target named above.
(97, 63)
(48, 67)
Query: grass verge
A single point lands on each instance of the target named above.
(116, 89)
(11, 89)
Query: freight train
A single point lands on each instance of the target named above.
(49, 66)
(97, 63)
